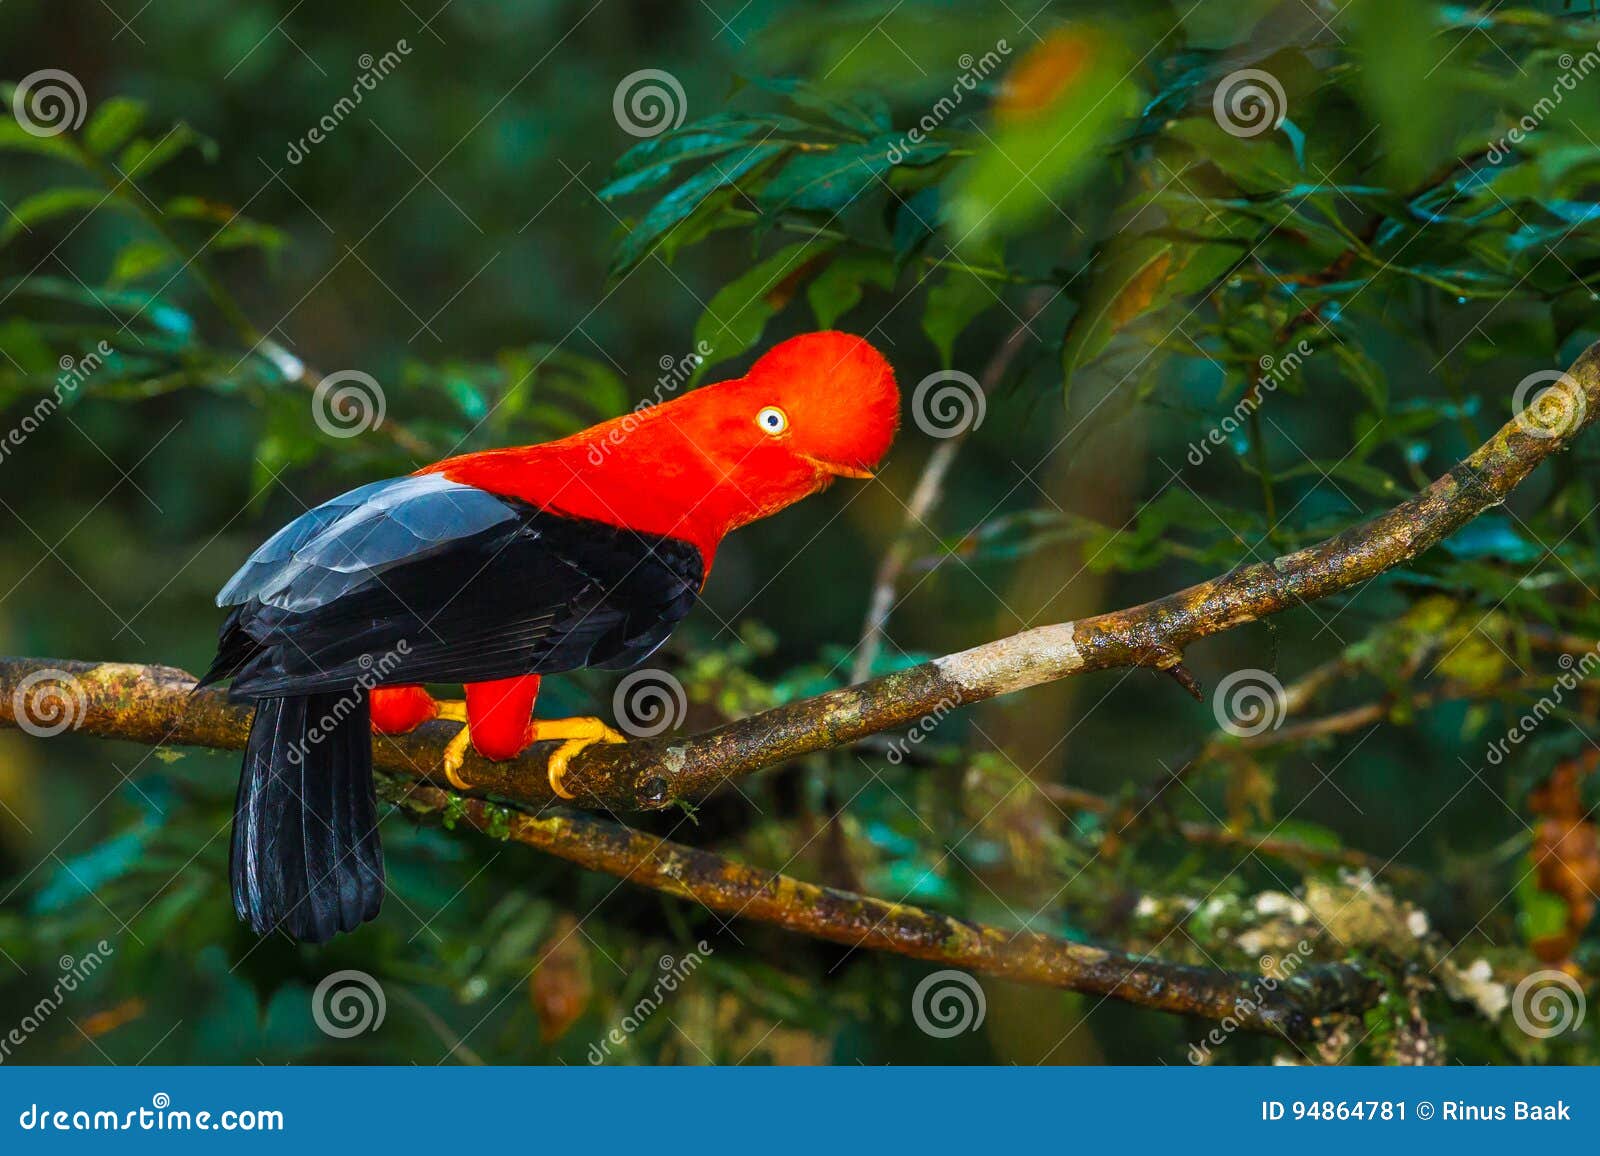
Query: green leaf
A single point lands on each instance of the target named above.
(1309, 834)
(914, 222)
(677, 205)
(1153, 536)
(244, 232)
(554, 391)
(1137, 276)
(693, 141)
(1258, 164)
(1540, 914)
(1361, 475)
(838, 288)
(632, 175)
(1124, 288)
(236, 231)
(735, 317)
(468, 398)
(714, 214)
(15, 138)
(47, 205)
(91, 870)
(954, 304)
(1366, 372)
(1414, 112)
(1493, 537)
(860, 112)
(827, 180)
(149, 308)
(112, 124)
(144, 157)
(21, 344)
(139, 259)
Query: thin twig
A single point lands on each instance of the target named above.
(929, 490)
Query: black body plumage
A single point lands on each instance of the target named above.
(413, 580)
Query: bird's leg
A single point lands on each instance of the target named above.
(455, 752)
(397, 710)
(496, 717)
(499, 727)
(577, 734)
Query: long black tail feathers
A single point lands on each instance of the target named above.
(306, 858)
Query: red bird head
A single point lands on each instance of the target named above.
(814, 408)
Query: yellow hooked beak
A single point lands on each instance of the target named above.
(836, 469)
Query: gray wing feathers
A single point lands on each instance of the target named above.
(354, 538)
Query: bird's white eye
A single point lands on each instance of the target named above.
(772, 420)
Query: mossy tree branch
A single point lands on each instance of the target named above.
(1290, 1007)
(158, 705)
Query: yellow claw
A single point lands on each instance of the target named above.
(456, 753)
(578, 734)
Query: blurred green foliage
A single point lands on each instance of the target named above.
(1272, 266)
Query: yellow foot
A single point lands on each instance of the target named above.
(456, 753)
(578, 734)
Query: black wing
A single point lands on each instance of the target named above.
(421, 579)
